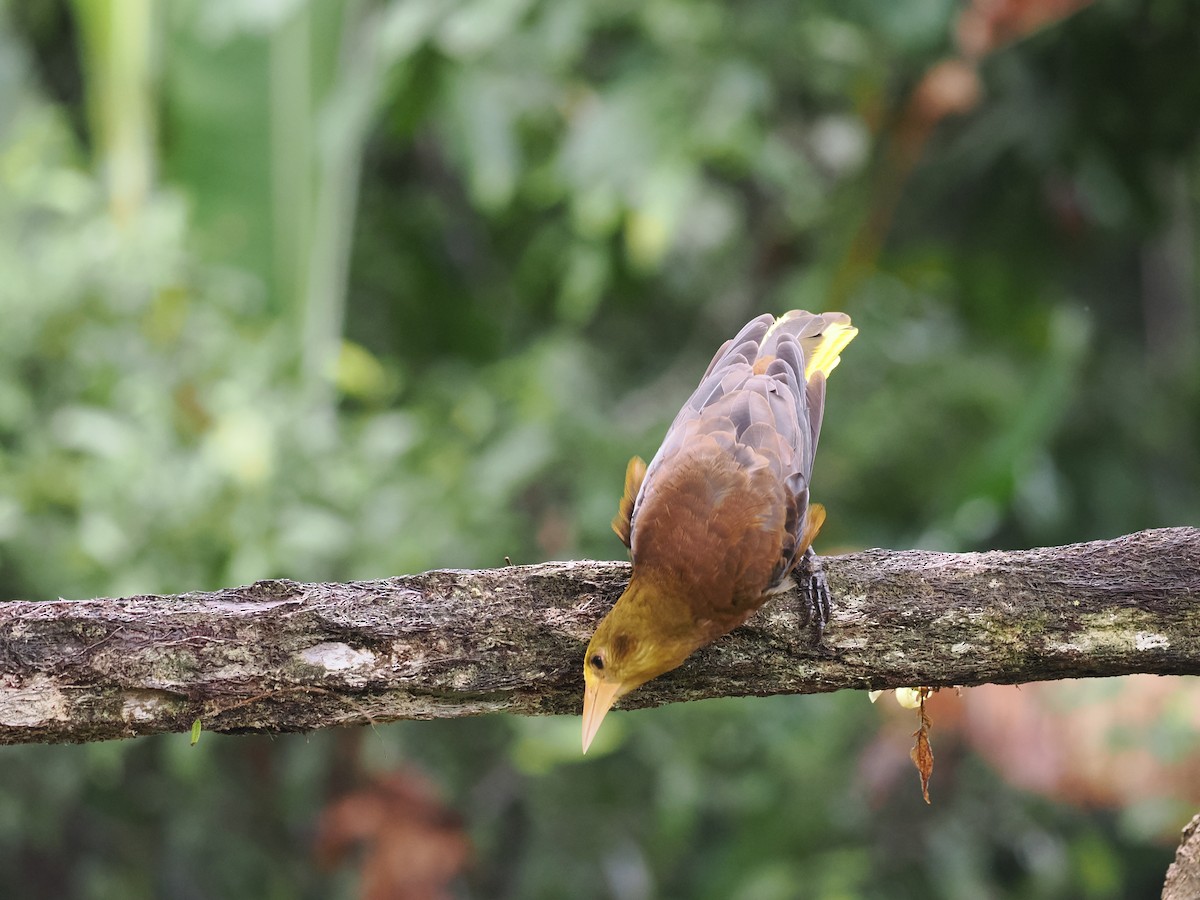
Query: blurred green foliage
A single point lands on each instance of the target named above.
(334, 291)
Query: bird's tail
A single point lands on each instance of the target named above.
(822, 336)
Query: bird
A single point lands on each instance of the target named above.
(720, 518)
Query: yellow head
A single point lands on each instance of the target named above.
(639, 639)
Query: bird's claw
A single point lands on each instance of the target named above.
(814, 589)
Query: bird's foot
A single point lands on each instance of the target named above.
(814, 589)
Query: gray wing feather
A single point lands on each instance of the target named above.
(771, 418)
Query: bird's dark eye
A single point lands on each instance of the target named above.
(597, 662)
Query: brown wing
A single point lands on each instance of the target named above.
(733, 471)
(622, 522)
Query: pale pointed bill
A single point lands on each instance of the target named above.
(598, 699)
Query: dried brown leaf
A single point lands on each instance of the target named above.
(922, 753)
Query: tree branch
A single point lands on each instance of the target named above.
(282, 656)
(1183, 875)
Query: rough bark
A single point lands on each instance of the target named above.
(282, 656)
(1183, 876)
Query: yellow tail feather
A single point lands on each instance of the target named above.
(833, 341)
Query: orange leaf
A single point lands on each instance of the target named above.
(413, 846)
(987, 25)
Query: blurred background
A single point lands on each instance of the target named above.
(345, 290)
